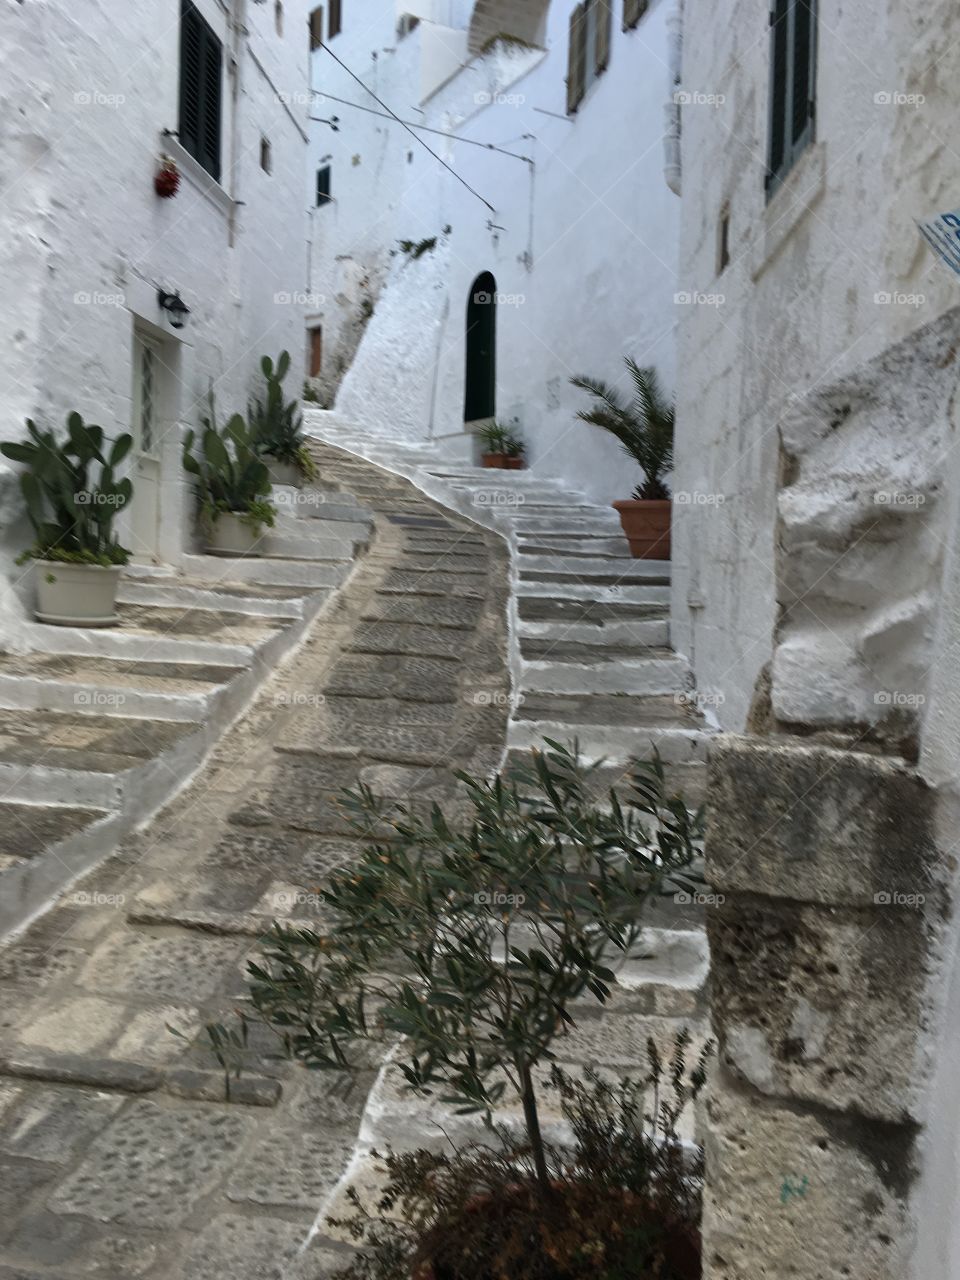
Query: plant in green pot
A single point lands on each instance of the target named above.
(474, 944)
(277, 427)
(73, 498)
(643, 423)
(232, 485)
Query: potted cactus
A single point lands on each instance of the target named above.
(277, 425)
(232, 485)
(72, 509)
(644, 426)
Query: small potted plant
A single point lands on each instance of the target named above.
(515, 450)
(276, 427)
(476, 940)
(644, 426)
(496, 442)
(232, 485)
(166, 180)
(72, 510)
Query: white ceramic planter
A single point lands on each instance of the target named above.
(285, 473)
(77, 595)
(232, 536)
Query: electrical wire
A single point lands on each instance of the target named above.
(409, 130)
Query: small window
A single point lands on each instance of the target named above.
(315, 355)
(316, 28)
(408, 22)
(323, 186)
(723, 239)
(589, 49)
(278, 17)
(793, 39)
(335, 20)
(201, 71)
(266, 155)
(633, 11)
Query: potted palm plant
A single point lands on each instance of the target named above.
(232, 485)
(501, 448)
(276, 426)
(72, 510)
(644, 426)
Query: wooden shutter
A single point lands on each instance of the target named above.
(335, 23)
(603, 18)
(576, 57)
(316, 351)
(633, 11)
(316, 28)
(201, 70)
(323, 186)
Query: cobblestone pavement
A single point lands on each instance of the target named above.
(119, 1157)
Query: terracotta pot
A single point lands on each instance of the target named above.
(513, 464)
(497, 461)
(646, 524)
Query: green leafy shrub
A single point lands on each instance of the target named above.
(229, 474)
(643, 424)
(276, 425)
(626, 1202)
(472, 939)
(70, 506)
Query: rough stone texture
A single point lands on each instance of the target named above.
(801, 1195)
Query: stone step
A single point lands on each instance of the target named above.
(325, 506)
(292, 542)
(157, 690)
(595, 568)
(604, 524)
(613, 726)
(551, 544)
(26, 830)
(574, 668)
(263, 570)
(591, 636)
(256, 600)
(599, 613)
(592, 592)
(89, 760)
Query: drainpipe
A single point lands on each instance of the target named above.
(672, 170)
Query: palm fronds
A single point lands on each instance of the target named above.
(643, 423)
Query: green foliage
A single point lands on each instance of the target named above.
(643, 425)
(417, 248)
(71, 507)
(514, 446)
(627, 1193)
(228, 473)
(496, 438)
(310, 393)
(276, 425)
(472, 940)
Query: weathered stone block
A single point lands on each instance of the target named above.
(821, 1004)
(800, 1196)
(816, 824)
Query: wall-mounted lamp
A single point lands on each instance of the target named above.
(175, 307)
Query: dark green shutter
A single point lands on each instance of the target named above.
(603, 16)
(633, 11)
(792, 84)
(576, 58)
(201, 79)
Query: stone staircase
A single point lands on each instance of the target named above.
(101, 727)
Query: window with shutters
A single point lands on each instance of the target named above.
(266, 155)
(335, 19)
(793, 45)
(323, 186)
(633, 11)
(316, 28)
(201, 84)
(589, 49)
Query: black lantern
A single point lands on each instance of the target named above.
(175, 307)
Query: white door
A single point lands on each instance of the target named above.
(145, 505)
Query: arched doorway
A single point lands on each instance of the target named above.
(480, 391)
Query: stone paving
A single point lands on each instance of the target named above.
(119, 1156)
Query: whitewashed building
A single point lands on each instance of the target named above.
(92, 97)
(538, 242)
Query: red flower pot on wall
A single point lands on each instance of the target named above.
(166, 181)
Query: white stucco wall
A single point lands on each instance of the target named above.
(582, 243)
(85, 94)
(799, 296)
